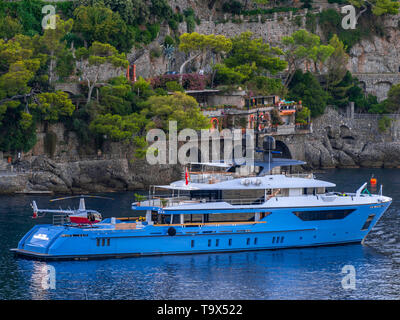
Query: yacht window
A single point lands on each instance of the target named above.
(321, 190)
(176, 219)
(295, 192)
(368, 222)
(193, 218)
(251, 196)
(264, 214)
(166, 219)
(323, 214)
(231, 217)
(282, 192)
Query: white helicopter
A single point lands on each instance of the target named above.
(79, 216)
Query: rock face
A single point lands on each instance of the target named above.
(338, 141)
(87, 176)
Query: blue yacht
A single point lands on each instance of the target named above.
(220, 208)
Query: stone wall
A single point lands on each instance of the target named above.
(339, 141)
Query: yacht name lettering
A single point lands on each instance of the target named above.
(185, 311)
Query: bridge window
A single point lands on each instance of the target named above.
(323, 214)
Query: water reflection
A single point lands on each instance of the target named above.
(313, 273)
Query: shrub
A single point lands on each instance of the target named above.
(169, 41)
(191, 81)
(173, 86)
(384, 123)
(275, 117)
(155, 53)
(234, 7)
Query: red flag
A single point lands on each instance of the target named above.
(186, 176)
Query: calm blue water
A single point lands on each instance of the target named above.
(311, 273)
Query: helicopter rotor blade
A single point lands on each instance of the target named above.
(81, 196)
(99, 197)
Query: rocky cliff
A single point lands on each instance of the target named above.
(44, 174)
(345, 142)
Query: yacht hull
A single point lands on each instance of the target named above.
(281, 228)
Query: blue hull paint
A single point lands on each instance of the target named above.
(282, 229)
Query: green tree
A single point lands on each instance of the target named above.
(99, 56)
(179, 107)
(100, 24)
(248, 59)
(118, 128)
(248, 51)
(20, 63)
(337, 62)
(301, 47)
(51, 42)
(9, 27)
(306, 88)
(116, 98)
(393, 100)
(378, 7)
(195, 44)
(53, 105)
(303, 115)
(226, 75)
(18, 67)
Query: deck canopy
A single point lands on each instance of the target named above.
(265, 182)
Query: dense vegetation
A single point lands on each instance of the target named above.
(90, 36)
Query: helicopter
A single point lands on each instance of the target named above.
(79, 216)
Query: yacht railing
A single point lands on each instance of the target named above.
(176, 201)
(171, 201)
(300, 175)
(215, 177)
(211, 177)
